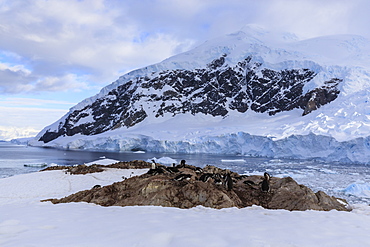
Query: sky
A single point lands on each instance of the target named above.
(55, 53)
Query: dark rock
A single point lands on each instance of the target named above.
(84, 169)
(167, 189)
(79, 169)
(320, 96)
(135, 164)
(54, 168)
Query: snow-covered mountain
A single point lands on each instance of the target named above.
(253, 92)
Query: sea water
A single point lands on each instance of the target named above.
(13, 158)
(351, 182)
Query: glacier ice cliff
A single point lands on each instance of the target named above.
(311, 146)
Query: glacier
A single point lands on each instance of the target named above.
(311, 146)
(335, 132)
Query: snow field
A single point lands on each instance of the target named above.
(82, 224)
(25, 221)
(53, 184)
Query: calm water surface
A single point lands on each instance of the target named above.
(13, 157)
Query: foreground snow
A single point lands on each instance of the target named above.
(25, 221)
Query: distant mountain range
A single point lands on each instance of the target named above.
(250, 83)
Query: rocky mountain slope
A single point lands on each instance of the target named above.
(254, 81)
(215, 90)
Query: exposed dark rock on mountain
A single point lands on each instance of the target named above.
(320, 96)
(189, 186)
(215, 90)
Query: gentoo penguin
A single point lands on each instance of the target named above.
(154, 165)
(249, 182)
(198, 170)
(172, 169)
(183, 177)
(266, 183)
(182, 163)
(217, 179)
(156, 171)
(228, 181)
(205, 177)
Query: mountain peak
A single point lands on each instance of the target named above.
(253, 81)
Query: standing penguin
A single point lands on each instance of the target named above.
(228, 181)
(154, 165)
(266, 183)
(182, 163)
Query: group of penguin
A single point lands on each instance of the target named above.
(218, 178)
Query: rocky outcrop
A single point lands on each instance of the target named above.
(214, 90)
(73, 170)
(84, 169)
(189, 186)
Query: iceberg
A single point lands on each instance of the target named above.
(358, 189)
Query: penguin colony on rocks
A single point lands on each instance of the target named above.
(187, 186)
(221, 177)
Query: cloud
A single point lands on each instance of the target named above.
(14, 78)
(65, 83)
(29, 102)
(25, 117)
(72, 44)
(18, 79)
(309, 18)
(56, 39)
(29, 117)
(9, 133)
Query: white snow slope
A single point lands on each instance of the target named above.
(25, 221)
(337, 131)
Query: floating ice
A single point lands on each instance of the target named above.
(163, 160)
(358, 189)
(102, 162)
(236, 160)
(35, 164)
